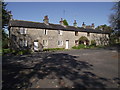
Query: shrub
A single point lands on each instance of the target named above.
(93, 42)
(79, 46)
(82, 46)
(53, 49)
(22, 52)
(5, 51)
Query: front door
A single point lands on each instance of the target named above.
(67, 44)
(35, 45)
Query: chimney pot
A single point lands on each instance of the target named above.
(93, 26)
(61, 22)
(46, 20)
(83, 25)
(75, 23)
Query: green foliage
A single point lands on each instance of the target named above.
(93, 42)
(114, 18)
(100, 46)
(104, 28)
(79, 46)
(6, 51)
(53, 49)
(22, 52)
(5, 21)
(83, 38)
(5, 39)
(5, 15)
(65, 22)
(15, 52)
(114, 21)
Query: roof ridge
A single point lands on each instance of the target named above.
(25, 21)
(40, 22)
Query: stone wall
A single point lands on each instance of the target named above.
(53, 37)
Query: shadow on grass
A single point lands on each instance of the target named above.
(19, 72)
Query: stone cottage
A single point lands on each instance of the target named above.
(36, 35)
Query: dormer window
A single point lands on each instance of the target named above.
(45, 31)
(76, 33)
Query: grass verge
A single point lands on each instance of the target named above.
(53, 49)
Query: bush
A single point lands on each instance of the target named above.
(83, 38)
(6, 51)
(79, 46)
(83, 46)
(16, 52)
(93, 42)
(100, 46)
(22, 52)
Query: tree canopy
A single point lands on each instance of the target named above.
(65, 22)
(104, 28)
(5, 15)
(83, 38)
(114, 18)
(5, 21)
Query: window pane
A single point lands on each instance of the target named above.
(25, 42)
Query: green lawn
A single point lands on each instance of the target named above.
(53, 49)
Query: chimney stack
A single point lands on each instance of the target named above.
(83, 25)
(93, 26)
(75, 23)
(46, 20)
(61, 22)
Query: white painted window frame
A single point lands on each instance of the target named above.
(45, 42)
(60, 32)
(60, 43)
(45, 32)
(23, 30)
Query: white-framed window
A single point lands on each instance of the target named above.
(76, 33)
(45, 32)
(45, 42)
(59, 32)
(23, 30)
(60, 43)
(23, 43)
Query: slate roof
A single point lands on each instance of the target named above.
(30, 24)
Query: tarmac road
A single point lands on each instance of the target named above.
(87, 68)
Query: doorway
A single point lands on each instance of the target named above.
(35, 45)
(67, 44)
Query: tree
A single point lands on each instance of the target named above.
(114, 20)
(5, 21)
(65, 22)
(104, 28)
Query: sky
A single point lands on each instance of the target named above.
(88, 12)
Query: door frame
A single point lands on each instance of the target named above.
(67, 44)
(37, 45)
